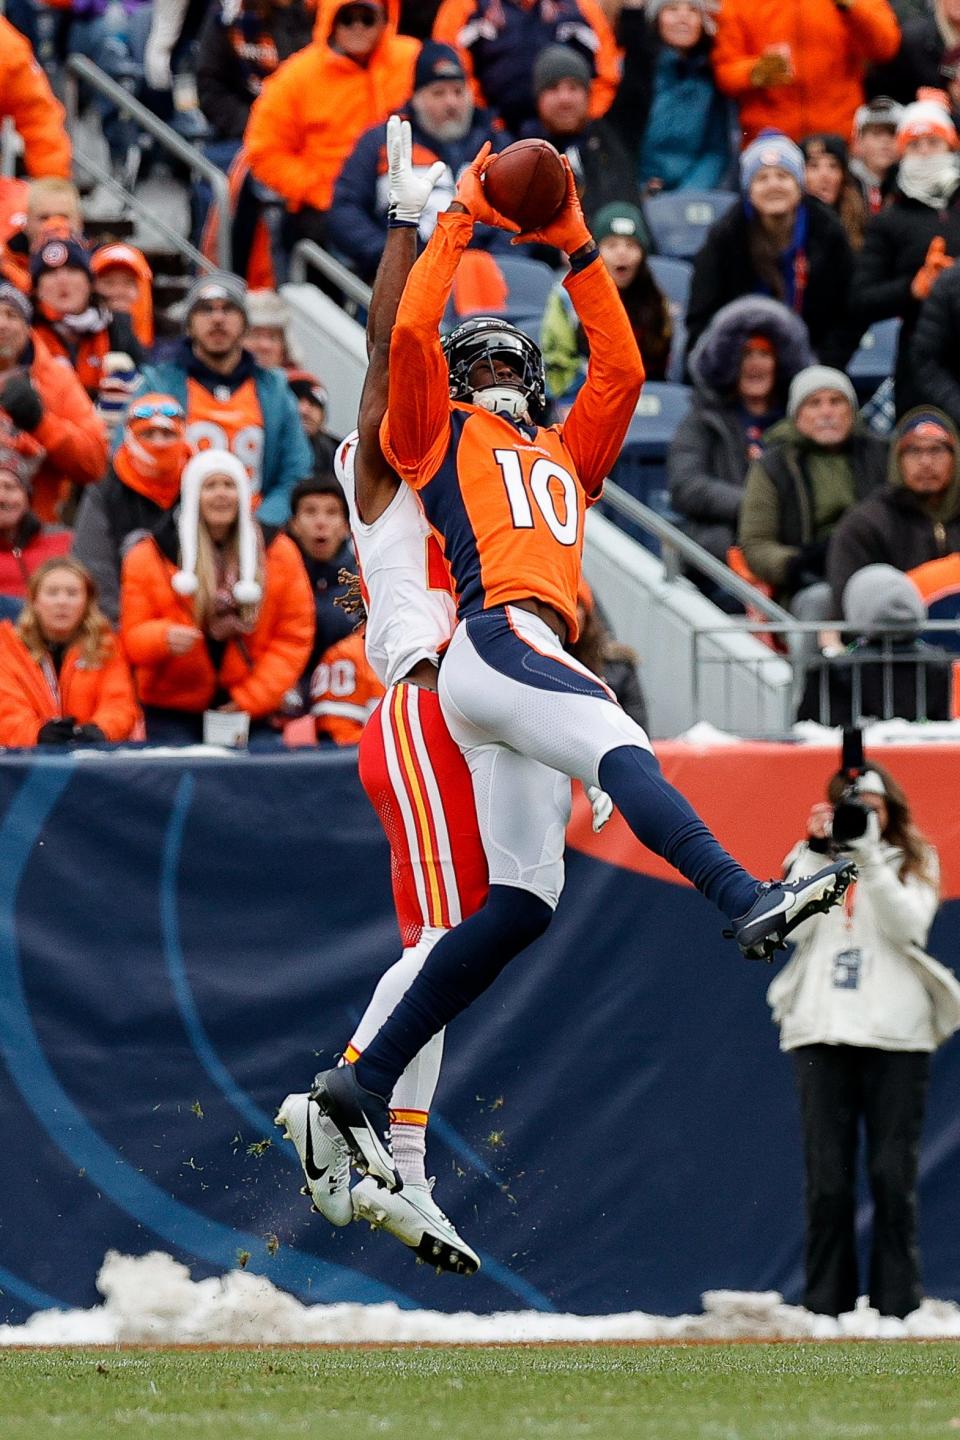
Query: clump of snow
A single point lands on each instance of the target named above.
(151, 1299)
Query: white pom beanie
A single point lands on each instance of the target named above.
(247, 590)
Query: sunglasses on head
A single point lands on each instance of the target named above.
(169, 409)
(359, 15)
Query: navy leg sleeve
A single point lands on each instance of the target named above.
(668, 825)
(459, 968)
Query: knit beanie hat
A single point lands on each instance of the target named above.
(218, 285)
(819, 377)
(621, 218)
(10, 295)
(707, 8)
(59, 253)
(771, 148)
(925, 117)
(21, 467)
(307, 387)
(437, 62)
(880, 595)
(560, 62)
(267, 309)
(925, 425)
(881, 111)
(247, 590)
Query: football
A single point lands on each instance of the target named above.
(526, 183)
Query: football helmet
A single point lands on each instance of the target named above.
(485, 337)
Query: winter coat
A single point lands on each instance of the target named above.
(331, 622)
(85, 353)
(565, 350)
(276, 650)
(93, 695)
(892, 527)
(829, 47)
(915, 64)
(358, 215)
(25, 96)
(934, 351)
(902, 998)
(70, 430)
(777, 511)
(231, 66)
(111, 519)
(316, 105)
(141, 316)
(895, 245)
(723, 271)
(603, 166)
(707, 461)
(499, 40)
(286, 456)
(676, 124)
(33, 543)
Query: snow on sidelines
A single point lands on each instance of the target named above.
(151, 1299)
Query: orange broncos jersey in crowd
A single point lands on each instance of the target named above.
(344, 691)
(506, 498)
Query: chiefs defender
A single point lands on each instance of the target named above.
(506, 495)
(413, 772)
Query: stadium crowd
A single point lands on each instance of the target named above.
(767, 181)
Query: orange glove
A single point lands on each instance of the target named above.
(932, 268)
(567, 231)
(473, 197)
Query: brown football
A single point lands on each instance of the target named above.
(526, 183)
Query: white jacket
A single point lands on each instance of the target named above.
(860, 975)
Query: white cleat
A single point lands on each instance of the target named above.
(413, 1216)
(323, 1155)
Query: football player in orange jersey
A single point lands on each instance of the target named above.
(506, 495)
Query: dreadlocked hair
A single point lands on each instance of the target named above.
(351, 602)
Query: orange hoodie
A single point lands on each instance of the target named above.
(134, 260)
(830, 49)
(278, 647)
(94, 695)
(316, 105)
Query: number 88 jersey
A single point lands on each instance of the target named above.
(507, 503)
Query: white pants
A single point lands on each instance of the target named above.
(415, 1089)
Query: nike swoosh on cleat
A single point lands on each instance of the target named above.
(309, 1164)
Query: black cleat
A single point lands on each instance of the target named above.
(362, 1118)
(780, 908)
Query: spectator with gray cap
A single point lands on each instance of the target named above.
(599, 151)
(873, 148)
(778, 242)
(268, 330)
(819, 462)
(679, 128)
(231, 402)
(886, 672)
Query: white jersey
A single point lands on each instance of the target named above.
(408, 617)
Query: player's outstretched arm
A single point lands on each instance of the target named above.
(415, 431)
(376, 480)
(595, 429)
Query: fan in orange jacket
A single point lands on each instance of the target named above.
(798, 65)
(25, 96)
(42, 396)
(317, 104)
(123, 280)
(209, 614)
(344, 691)
(63, 677)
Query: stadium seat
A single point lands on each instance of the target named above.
(875, 357)
(680, 220)
(674, 277)
(528, 283)
(642, 466)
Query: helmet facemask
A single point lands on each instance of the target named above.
(519, 394)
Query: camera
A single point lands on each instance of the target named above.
(850, 815)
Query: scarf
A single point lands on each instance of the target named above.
(151, 472)
(931, 179)
(225, 620)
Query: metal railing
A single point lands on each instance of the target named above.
(307, 253)
(677, 547)
(80, 69)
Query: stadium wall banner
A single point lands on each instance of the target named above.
(184, 939)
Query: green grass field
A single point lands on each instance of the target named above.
(659, 1392)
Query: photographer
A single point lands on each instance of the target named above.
(861, 1006)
